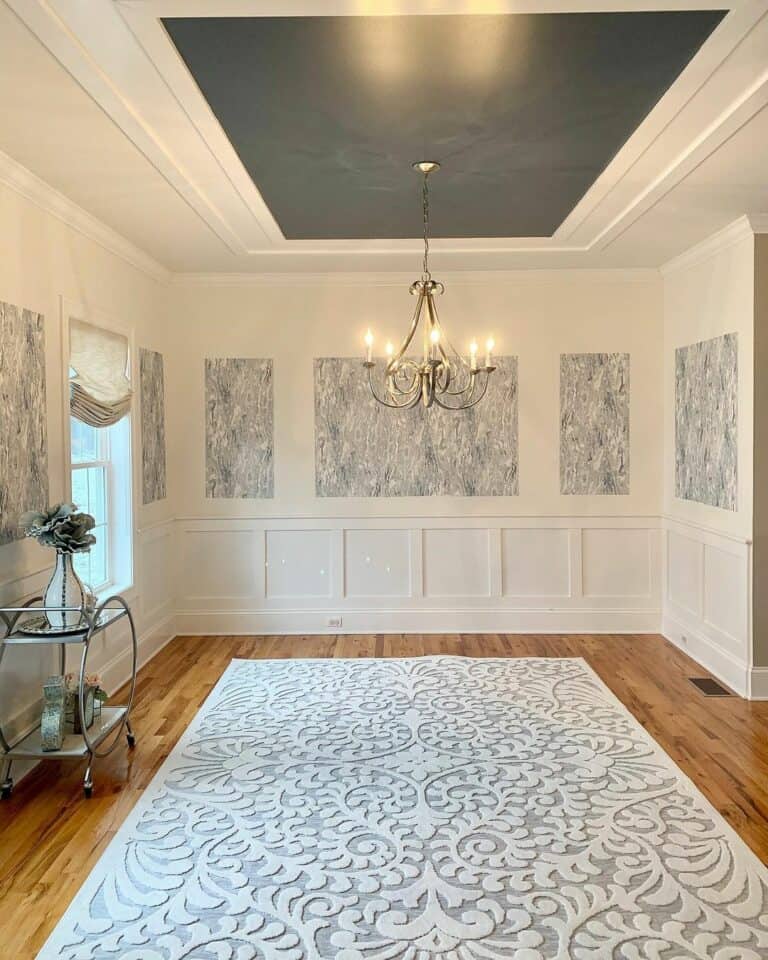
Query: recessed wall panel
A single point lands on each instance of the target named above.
(363, 449)
(725, 593)
(152, 396)
(456, 563)
(535, 563)
(298, 564)
(220, 563)
(706, 421)
(594, 423)
(23, 429)
(616, 563)
(377, 563)
(684, 572)
(156, 572)
(238, 428)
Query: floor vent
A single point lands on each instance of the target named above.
(710, 687)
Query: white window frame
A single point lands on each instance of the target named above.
(123, 507)
(108, 467)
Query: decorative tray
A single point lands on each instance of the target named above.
(40, 627)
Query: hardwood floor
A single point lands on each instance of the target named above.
(51, 836)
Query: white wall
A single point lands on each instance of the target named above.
(707, 550)
(296, 563)
(538, 561)
(43, 261)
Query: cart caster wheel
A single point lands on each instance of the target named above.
(6, 791)
(131, 740)
(88, 791)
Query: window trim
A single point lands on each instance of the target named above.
(120, 582)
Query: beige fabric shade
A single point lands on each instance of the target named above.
(100, 388)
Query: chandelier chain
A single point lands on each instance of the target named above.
(426, 275)
(441, 377)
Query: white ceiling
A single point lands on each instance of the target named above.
(95, 101)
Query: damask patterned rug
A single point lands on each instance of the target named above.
(438, 808)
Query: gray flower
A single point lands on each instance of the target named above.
(61, 527)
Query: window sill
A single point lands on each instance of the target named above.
(110, 589)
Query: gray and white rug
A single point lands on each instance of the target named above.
(438, 807)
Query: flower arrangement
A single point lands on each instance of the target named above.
(61, 526)
(72, 683)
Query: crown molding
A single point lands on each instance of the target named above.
(458, 278)
(758, 222)
(22, 181)
(728, 237)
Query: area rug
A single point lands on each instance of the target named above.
(438, 807)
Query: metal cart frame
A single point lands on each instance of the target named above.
(90, 743)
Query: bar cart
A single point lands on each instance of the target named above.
(26, 626)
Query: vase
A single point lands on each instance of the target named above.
(73, 708)
(65, 589)
(52, 719)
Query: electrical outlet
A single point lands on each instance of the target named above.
(334, 621)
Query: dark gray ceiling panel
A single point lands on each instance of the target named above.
(523, 111)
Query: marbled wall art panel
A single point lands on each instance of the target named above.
(23, 431)
(706, 412)
(238, 428)
(152, 393)
(594, 423)
(363, 449)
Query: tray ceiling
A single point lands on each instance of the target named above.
(568, 141)
(524, 111)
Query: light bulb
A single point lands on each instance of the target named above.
(368, 346)
(435, 335)
(390, 349)
(473, 348)
(488, 348)
(473, 354)
(369, 339)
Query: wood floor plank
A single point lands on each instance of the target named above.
(51, 836)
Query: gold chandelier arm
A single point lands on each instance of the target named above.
(448, 374)
(412, 381)
(411, 399)
(395, 361)
(472, 402)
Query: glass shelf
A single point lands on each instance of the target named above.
(108, 616)
(74, 744)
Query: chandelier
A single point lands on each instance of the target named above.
(442, 375)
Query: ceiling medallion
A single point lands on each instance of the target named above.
(442, 375)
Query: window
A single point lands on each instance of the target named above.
(101, 486)
(90, 491)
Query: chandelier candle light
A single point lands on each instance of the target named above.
(442, 376)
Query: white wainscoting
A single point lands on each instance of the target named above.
(301, 575)
(707, 599)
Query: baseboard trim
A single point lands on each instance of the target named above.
(758, 683)
(434, 620)
(726, 667)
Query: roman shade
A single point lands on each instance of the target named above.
(100, 389)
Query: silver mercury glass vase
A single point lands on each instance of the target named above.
(65, 589)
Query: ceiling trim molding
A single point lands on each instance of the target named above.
(352, 8)
(18, 178)
(728, 237)
(458, 278)
(577, 234)
(90, 41)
